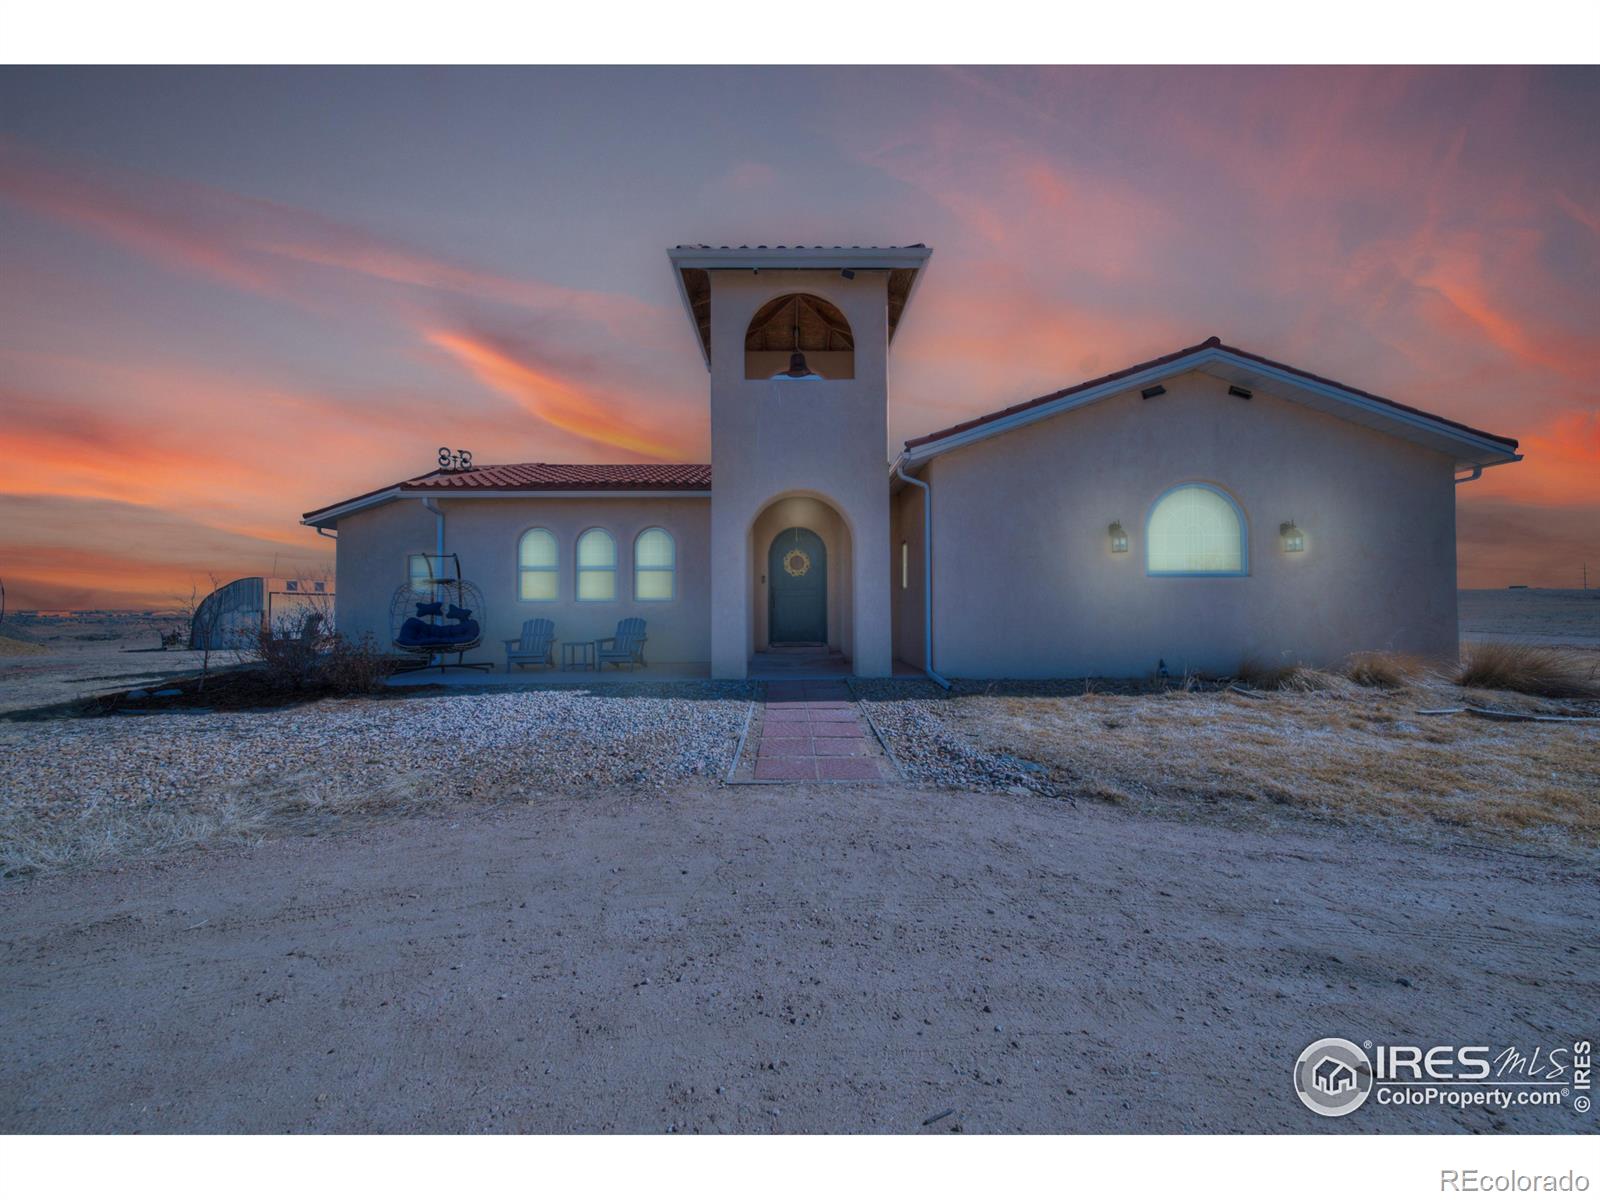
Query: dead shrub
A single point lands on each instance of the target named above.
(1292, 677)
(307, 658)
(291, 661)
(1551, 671)
(352, 668)
(1384, 669)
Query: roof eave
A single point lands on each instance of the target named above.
(800, 258)
(328, 518)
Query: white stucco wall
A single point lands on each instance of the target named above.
(1025, 584)
(374, 545)
(772, 439)
(907, 601)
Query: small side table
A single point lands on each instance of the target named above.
(577, 656)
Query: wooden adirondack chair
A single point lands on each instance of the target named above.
(536, 646)
(627, 646)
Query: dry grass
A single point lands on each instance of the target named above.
(1358, 753)
(1384, 669)
(32, 840)
(1291, 678)
(1553, 671)
(16, 647)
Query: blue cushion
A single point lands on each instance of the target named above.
(458, 614)
(430, 610)
(445, 635)
(414, 632)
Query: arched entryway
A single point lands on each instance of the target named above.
(802, 614)
(797, 590)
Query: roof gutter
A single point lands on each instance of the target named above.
(927, 577)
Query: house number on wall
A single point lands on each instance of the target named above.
(454, 460)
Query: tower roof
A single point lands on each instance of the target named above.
(692, 265)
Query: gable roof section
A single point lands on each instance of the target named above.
(1472, 447)
(518, 479)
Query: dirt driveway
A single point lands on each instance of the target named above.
(783, 959)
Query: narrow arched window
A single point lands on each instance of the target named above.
(597, 566)
(1195, 529)
(538, 566)
(655, 566)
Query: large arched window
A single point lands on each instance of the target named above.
(803, 325)
(1195, 529)
(655, 562)
(538, 566)
(597, 565)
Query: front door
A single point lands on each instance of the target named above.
(797, 589)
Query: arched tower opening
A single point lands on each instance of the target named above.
(799, 336)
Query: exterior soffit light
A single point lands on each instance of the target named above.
(1119, 538)
(1294, 541)
(1150, 393)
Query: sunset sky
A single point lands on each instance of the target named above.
(229, 296)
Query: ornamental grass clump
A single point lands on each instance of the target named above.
(1553, 671)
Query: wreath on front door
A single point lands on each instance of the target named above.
(796, 563)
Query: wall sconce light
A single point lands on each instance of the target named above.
(847, 274)
(1119, 538)
(1293, 540)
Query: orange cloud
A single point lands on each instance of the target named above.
(551, 398)
(1561, 464)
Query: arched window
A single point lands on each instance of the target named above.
(538, 566)
(1195, 529)
(597, 566)
(799, 336)
(655, 562)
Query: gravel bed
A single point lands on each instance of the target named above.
(931, 751)
(482, 745)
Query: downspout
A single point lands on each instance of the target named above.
(322, 531)
(927, 577)
(438, 513)
(438, 550)
(1476, 471)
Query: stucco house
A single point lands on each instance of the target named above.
(1198, 509)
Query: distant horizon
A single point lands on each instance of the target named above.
(233, 295)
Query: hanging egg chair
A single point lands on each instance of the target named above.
(436, 614)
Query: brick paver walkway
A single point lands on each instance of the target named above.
(812, 730)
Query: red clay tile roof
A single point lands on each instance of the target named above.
(1211, 343)
(588, 477)
(549, 477)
